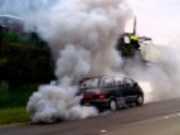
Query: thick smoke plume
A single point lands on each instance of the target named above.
(82, 35)
(159, 79)
(52, 103)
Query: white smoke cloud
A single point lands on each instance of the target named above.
(158, 19)
(82, 35)
(52, 103)
(159, 80)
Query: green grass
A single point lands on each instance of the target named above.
(13, 103)
(13, 115)
(15, 97)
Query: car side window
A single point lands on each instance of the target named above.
(128, 81)
(118, 82)
(108, 83)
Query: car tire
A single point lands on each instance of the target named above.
(140, 100)
(113, 105)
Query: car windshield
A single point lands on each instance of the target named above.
(90, 83)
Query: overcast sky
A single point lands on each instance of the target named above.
(158, 18)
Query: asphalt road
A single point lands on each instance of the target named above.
(168, 125)
(136, 120)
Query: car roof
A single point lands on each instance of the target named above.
(105, 76)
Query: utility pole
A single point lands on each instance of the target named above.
(135, 26)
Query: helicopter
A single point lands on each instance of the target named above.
(130, 44)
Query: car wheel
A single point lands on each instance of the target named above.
(113, 105)
(140, 100)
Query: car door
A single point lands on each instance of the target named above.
(119, 87)
(128, 91)
(132, 93)
(119, 90)
(107, 84)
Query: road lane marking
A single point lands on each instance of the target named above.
(161, 118)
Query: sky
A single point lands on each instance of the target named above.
(159, 19)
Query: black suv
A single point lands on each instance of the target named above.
(110, 92)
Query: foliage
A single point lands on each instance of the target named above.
(24, 59)
(15, 97)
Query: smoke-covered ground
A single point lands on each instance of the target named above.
(82, 35)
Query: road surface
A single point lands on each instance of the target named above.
(168, 125)
(153, 118)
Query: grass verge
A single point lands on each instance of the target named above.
(15, 97)
(12, 104)
(13, 115)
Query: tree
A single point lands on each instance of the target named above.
(24, 59)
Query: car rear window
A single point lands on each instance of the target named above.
(90, 83)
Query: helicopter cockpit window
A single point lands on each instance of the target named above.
(126, 40)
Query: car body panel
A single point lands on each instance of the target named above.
(122, 90)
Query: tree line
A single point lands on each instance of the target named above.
(24, 59)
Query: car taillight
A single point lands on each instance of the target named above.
(102, 96)
(88, 96)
